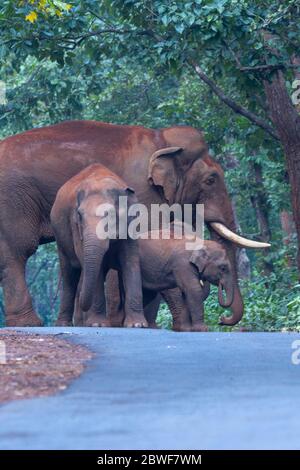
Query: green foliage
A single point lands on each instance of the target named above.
(43, 279)
(164, 317)
(271, 304)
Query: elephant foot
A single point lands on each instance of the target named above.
(153, 326)
(116, 320)
(135, 321)
(200, 327)
(29, 318)
(78, 322)
(63, 323)
(182, 327)
(96, 320)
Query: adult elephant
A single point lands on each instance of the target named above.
(165, 165)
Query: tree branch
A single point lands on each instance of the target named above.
(6, 114)
(270, 67)
(74, 41)
(37, 272)
(237, 108)
(109, 30)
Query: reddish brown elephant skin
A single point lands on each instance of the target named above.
(167, 264)
(36, 163)
(82, 253)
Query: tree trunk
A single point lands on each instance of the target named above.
(259, 202)
(288, 229)
(296, 61)
(242, 259)
(287, 122)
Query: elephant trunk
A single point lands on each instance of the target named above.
(93, 253)
(237, 305)
(229, 289)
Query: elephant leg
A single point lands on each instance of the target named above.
(78, 314)
(18, 303)
(193, 296)
(70, 280)
(96, 315)
(132, 284)
(151, 301)
(114, 309)
(181, 317)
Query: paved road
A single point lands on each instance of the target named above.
(149, 389)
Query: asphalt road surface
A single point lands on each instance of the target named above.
(155, 389)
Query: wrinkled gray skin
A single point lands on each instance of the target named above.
(181, 317)
(83, 255)
(166, 264)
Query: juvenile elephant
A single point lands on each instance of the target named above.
(75, 224)
(167, 264)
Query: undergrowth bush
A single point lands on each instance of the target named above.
(271, 304)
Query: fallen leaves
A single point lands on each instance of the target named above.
(38, 366)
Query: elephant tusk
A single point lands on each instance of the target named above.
(233, 237)
(201, 283)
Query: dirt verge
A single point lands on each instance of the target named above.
(33, 365)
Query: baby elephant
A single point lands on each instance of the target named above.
(166, 264)
(75, 220)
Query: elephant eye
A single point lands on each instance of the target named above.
(210, 180)
(224, 268)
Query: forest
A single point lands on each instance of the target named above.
(228, 67)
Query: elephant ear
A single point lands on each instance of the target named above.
(80, 197)
(199, 258)
(162, 171)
